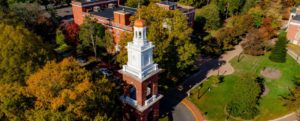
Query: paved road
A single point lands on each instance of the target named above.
(182, 113)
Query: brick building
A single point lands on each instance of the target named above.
(115, 16)
(188, 11)
(293, 30)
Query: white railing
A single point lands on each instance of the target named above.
(130, 101)
(150, 100)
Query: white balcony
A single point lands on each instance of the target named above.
(128, 100)
(148, 103)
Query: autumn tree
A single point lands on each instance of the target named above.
(68, 88)
(109, 44)
(13, 102)
(71, 31)
(36, 19)
(22, 52)
(91, 36)
(254, 44)
(122, 56)
(257, 15)
(170, 40)
(273, 10)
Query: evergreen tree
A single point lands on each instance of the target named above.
(279, 51)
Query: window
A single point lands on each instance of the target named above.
(140, 35)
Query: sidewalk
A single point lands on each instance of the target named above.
(195, 111)
(288, 117)
(294, 55)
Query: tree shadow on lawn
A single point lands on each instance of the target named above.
(174, 96)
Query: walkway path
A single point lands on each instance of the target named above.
(288, 117)
(226, 68)
(294, 55)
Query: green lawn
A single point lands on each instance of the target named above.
(295, 48)
(213, 102)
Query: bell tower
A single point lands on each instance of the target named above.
(140, 75)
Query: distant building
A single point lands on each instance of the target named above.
(115, 16)
(293, 31)
(188, 11)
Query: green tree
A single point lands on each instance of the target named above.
(22, 52)
(135, 3)
(169, 32)
(194, 3)
(91, 36)
(13, 101)
(66, 87)
(60, 41)
(248, 5)
(279, 51)
(212, 20)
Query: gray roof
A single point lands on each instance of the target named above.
(109, 12)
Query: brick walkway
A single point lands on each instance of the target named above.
(194, 109)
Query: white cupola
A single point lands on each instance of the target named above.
(140, 53)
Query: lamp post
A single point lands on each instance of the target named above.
(219, 64)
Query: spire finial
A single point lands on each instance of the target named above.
(138, 9)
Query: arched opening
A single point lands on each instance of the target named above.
(132, 92)
(140, 35)
(149, 91)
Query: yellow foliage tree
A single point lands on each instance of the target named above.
(65, 86)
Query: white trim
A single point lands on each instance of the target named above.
(75, 5)
(294, 23)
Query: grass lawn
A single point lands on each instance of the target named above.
(212, 102)
(295, 48)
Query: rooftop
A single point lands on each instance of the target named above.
(109, 12)
(168, 3)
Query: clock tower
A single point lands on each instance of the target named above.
(140, 75)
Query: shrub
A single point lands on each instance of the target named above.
(246, 95)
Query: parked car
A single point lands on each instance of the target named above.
(105, 72)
